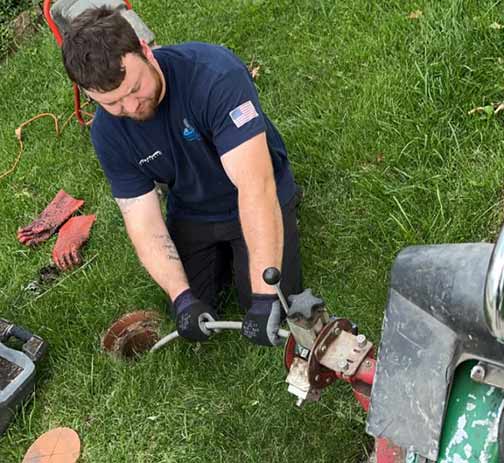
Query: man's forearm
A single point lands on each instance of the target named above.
(262, 226)
(153, 244)
(159, 256)
(250, 169)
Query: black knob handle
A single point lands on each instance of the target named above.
(271, 276)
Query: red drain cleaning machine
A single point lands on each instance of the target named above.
(435, 391)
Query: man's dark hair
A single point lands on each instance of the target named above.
(93, 48)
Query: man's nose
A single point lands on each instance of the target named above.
(130, 104)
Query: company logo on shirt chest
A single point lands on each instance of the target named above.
(150, 158)
(189, 132)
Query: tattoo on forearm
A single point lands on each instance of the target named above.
(168, 245)
(125, 204)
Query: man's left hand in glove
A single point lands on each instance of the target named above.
(263, 320)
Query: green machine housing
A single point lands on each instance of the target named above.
(438, 389)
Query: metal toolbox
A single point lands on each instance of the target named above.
(17, 369)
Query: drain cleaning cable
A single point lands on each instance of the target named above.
(210, 326)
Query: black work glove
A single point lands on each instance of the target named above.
(262, 322)
(191, 314)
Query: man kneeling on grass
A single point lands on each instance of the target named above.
(189, 116)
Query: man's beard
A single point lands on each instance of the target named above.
(149, 105)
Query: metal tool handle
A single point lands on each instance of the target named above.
(8, 329)
(494, 290)
(214, 327)
(20, 333)
(272, 276)
(33, 346)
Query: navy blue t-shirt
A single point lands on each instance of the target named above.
(210, 107)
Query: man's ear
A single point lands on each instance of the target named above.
(146, 50)
(88, 96)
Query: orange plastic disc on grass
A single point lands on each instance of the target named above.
(60, 445)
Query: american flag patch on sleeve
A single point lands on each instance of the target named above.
(243, 113)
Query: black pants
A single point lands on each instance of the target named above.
(213, 253)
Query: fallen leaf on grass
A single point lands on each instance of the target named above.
(496, 26)
(415, 14)
(254, 70)
(23, 193)
(489, 110)
(380, 157)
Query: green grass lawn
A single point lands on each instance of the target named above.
(373, 107)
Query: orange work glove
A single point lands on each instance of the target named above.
(45, 225)
(71, 237)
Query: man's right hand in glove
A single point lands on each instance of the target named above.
(191, 314)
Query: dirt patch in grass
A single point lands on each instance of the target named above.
(19, 27)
